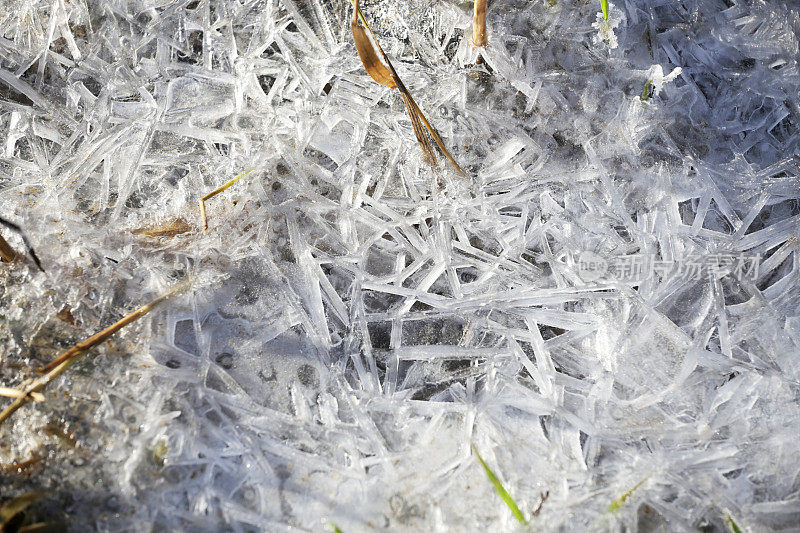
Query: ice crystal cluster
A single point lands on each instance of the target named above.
(605, 28)
(608, 299)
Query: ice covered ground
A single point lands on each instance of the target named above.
(610, 298)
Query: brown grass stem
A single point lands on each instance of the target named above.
(7, 253)
(57, 367)
(479, 36)
(380, 69)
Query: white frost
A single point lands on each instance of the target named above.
(656, 78)
(605, 28)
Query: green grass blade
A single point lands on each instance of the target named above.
(604, 5)
(335, 528)
(646, 90)
(616, 504)
(733, 525)
(501, 491)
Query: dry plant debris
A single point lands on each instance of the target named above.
(7, 253)
(367, 321)
(380, 69)
(31, 389)
(480, 37)
(215, 192)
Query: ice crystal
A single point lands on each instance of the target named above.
(609, 296)
(656, 79)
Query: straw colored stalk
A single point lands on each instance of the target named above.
(31, 389)
(479, 37)
(380, 69)
(215, 192)
(8, 392)
(7, 253)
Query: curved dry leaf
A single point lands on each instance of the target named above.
(370, 52)
(12, 508)
(168, 229)
(380, 69)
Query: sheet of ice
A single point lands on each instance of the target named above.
(609, 297)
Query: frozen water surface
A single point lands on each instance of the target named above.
(357, 318)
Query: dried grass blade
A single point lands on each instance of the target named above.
(7, 253)
(56, 367)
(43, 527)
(9, 392)
(479, 39)
(12, 508)
(378, 70)
(415, 114)
(169, 229)
(439, 141)
(15, 228)
(215, 192)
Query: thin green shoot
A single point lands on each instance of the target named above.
(604, 5)
(732, 524)
(501, 491)
(619, 502)
(160, 452)
(335, 528)
(646, 90)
